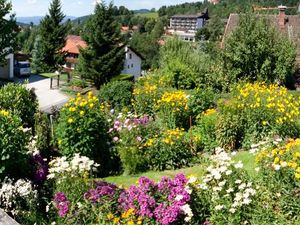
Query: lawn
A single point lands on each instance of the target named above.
(153, 15)
(197, 170)
(63, 76)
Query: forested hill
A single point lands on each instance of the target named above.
(225, 7)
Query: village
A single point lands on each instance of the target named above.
(149, 113)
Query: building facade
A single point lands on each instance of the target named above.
(7, 70)
(132, 63)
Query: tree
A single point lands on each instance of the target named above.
(53, 34)
(104, 56)
(256, 51)
(8, 30)
(37, 56)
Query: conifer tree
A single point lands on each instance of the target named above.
(103, 58)
(53, 36)
(8, 30)
(37, 56)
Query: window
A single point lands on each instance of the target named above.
(131, 65)
(128, 66)
(130, 56)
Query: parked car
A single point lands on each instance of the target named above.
(22, 69)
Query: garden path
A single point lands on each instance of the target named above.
(48, 98)
(5, 219)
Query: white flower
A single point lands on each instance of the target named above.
(232, 210)
(276, 167)
(188, 212)
(219, 207)
(216, 174)
(222, 169)
(257, 169)
(233, 153)
(253, 150)
(238, 165)
(246, 201)
(221, 184)
(242, 186)
(238, 181)
(217, 189)
(229, 190)
(203, 186)
(178, 198)
(283, 164)
(188, 189)
(192, 180)
(228, 172)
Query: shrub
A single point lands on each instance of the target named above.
(127, 77)
(82, 129)
(168, 150)
(18, 99)
(118, 94)
(256, 111)
(43, 134)
(129, 133)
(13, 144)
(172, 109)
(204, 132)
(147, 91)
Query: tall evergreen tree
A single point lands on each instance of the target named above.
(103, 58)
(53, 34)
(37, 56)
(8, 30)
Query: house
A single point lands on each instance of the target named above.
(7, 70)
(132, 63)
(186, 26)
(71, 50)
(214, 1)
(286, 24)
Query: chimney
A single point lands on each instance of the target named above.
(281, 16)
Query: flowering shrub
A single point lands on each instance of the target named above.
(129, 133)
(168, 150)
(82, 129)
(18, 198)
(19, 100)
(13, 144)
(227, 187)
(280, 174)
(166, 202)
(255, 112)
(172, 108)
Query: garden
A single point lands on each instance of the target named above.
(152, 153)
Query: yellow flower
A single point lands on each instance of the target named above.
(116, 220)
(4, 113)
(297, 175)
(264, 123)
(91, 105)
(81, 113)
(110, 216)
(72, 109)
(70, 120)
(130, 222)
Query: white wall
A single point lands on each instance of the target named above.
(11, 65)
(132, 64)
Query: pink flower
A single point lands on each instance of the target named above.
(115, 139)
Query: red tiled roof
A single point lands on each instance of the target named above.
(73, 44)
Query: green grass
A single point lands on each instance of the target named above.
(198, 171)
(153, 15)
(63, 76)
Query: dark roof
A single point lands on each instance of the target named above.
(291, 27)
(193, 16)
(136, 52)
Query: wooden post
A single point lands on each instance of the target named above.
(58, 77)
(51, 81)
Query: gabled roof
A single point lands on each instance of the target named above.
(291, 26)
(136, 52)
(73, 44)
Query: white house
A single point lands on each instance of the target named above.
(132, 63)
(7, 71)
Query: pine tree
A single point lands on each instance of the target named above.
(103, 58)
(53, 34)
(37, 56)
(8, 30)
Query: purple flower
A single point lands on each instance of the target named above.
(103, 189)
(62, 204)
(40, 168)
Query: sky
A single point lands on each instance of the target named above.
(83, 7)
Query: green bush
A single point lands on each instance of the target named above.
(204, 133)
(118, 94)
(19, 100)
(82, 129)
(43, 134)
(13, 144)
(169, 149)
(124, 77)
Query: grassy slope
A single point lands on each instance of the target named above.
(153, 15)
(247, 159)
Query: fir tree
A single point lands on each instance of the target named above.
(53, 34)
(8, 30)
(37, 56)
(103, 58)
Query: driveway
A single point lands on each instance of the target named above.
(48, 98)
